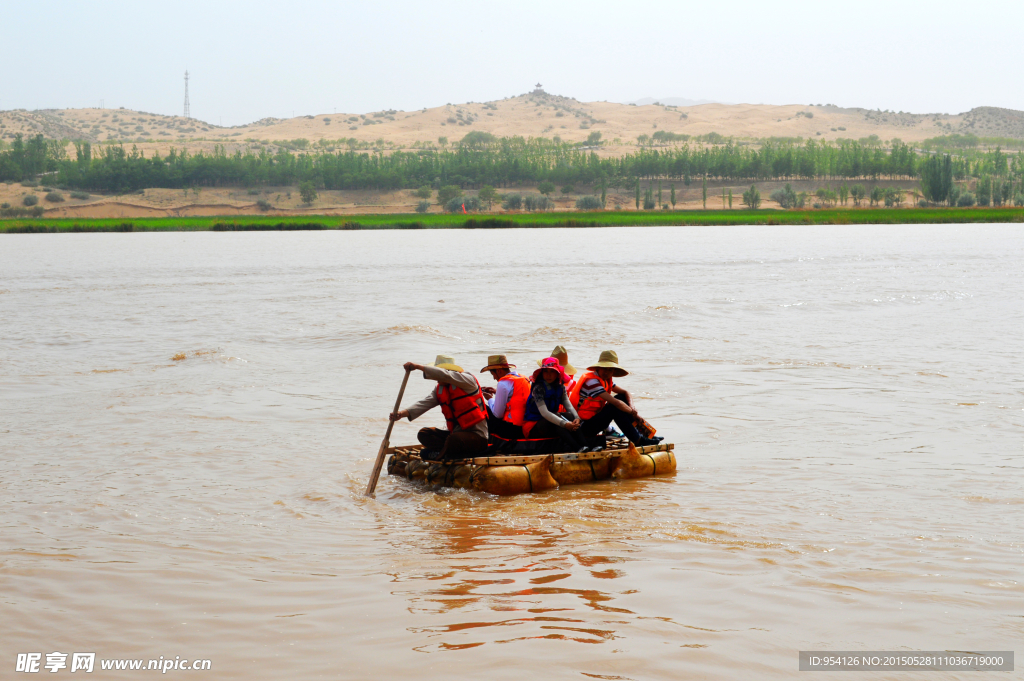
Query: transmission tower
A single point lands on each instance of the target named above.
(188, 114)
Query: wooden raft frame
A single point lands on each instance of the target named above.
(616, 448)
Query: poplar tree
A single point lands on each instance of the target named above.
(730, 199)
(672, 195)
(704, 192)
(638, 193)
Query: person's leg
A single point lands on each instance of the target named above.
(505, 435)
(546, 437)
(624, 420)
(572, 441)
(463, 445)
(432, 438)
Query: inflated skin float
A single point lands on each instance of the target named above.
(508, 475)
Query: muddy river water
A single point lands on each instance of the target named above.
(847, 405)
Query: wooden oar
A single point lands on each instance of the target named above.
(387, 439)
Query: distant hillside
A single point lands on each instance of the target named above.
(536, 114)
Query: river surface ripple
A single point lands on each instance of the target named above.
(847, 405)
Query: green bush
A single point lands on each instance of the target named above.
(752, 198)
(307, 191)
(423, 206)
(29, 183)
(546, 187)
(30, 200)
(263, 204)
(966, 200)
(253, 192)
(589, 203)
(512, 201)
(81, 196)
(568, 189)
(471, 203)
(55, 197)
(447, 193)
(532, 203)
(787, 198)
(423, 192)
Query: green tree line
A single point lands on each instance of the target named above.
(505, 162)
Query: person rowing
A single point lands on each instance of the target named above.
(542, 419)
(599, 402)
(461, 400)
(506, 403)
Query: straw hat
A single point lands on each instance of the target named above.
(562, 355)
(551, 363)
(445, 362)
(497, 362)
(609, 360)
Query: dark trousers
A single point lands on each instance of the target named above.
(502, 428)
(457, 445)
(571, 441)
(602, 419)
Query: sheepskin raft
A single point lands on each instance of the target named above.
(508, 475)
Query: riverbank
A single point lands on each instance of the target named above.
(865, 216)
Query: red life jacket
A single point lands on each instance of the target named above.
(458, 406)
(515, 407)
(587, 407)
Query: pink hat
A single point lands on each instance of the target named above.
(551, 363)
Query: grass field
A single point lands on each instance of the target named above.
(867, 216)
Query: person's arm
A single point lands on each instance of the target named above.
(622, 391)
(417, 410)
(421, 407)
(617, 403)
(500, 399)
(460, 379)
(545, 414)
(567, 405)
(576, 422)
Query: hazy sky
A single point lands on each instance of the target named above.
(254, 59)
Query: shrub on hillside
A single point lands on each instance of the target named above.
(29, 183)
(512, 201)
(30, 200)
(423, 206)
(752, 198)
(447, 193)
(532, 202)
(81, 196)
(263, 204)
(787, 198)
(589, 203)
(55, 197)
(456, 205)
(966, 200)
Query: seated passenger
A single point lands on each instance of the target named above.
(461, 400)
(599, 402)
(562, 355)
(506, 404)
(542, 419)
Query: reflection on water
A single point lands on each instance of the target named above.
(189, 420)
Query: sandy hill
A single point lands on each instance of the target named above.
(533, 114)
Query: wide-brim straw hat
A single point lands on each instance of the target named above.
(609, 360)
(551, 363)
(562, 355)
(446, 362)
(497, 362)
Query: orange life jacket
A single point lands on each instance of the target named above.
(587, 407)
(515, 407)
(459, 406)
